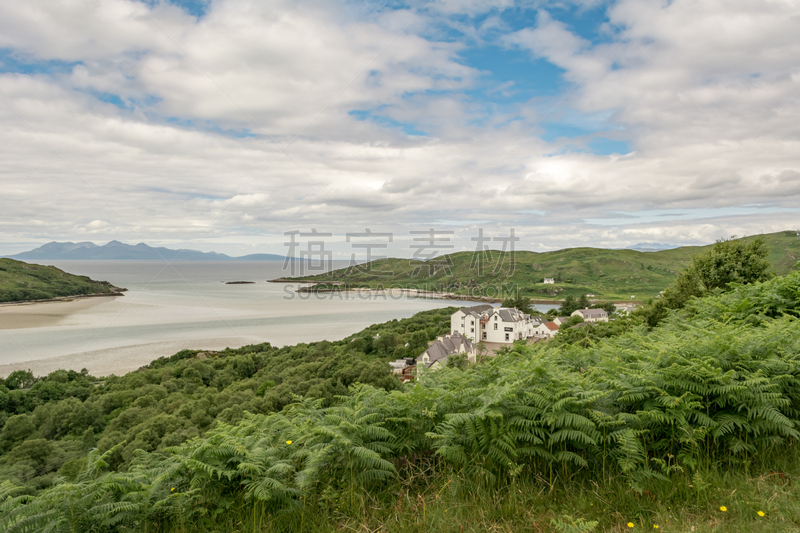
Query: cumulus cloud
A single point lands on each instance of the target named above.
(255, 119)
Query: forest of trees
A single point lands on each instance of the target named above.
(690, 422)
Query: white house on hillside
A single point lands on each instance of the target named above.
(467, 321)
(489, 324)
(549, 281)
(592, 315)
(546, 330)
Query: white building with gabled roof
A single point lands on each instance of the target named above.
(592, 315)
(446, 345)
(494, 324)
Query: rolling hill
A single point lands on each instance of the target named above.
(22, 281)
(608, 274)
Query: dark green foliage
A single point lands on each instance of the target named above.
(23, 281)
(572, 304)
(608, 307)
(732, 261)
(177, 398)
(592, 332)
(571, 321)
(728, 262)
(569, 306)
(458, 360)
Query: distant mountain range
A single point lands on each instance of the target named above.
(116, 250)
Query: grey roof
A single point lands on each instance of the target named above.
(593, 313)
(447, 345)
(508, 314)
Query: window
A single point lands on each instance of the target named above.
(472, 330)
(507, 336)
(484, 335)
(495, 326)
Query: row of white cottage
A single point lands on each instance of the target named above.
(502, 325)
(505, 325)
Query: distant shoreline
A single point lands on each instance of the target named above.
(119, 292)
(433, 295)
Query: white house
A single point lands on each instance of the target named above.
(546, 330)
(446, 345)
(490, 324)
(560, 320)
(549, 281)
(592, 315)
(467, 321)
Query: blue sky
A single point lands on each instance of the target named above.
(224, 122)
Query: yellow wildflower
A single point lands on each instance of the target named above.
(288, 442)
(761, 513)
(723, 508)
(630, 524)
(655, 526)
(173, 488)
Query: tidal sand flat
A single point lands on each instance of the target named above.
(44, 314)
(182, 306)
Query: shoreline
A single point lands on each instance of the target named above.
(434, 295)
(419, 293)
(119, 292)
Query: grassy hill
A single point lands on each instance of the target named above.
(609, 274)
(23, 281)
(689, 426)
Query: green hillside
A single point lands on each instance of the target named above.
(609, 274)
(689, 426)
(23, 281)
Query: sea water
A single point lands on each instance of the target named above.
(169, 307)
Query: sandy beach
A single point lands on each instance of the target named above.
(45, 314)
(118, 360)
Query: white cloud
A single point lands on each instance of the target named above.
(704, 92)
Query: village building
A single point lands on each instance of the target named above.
(560, 320)
(467, 321)
(503, 325)
(549, 281)
(625, 308)
(592, 315)
(445, 346)
(548, 330)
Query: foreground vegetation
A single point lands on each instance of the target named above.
(688, 424)
(608, 274)
(23, 281)
(49, 424)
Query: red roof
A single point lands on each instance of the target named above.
(552, 326)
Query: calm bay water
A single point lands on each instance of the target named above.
(188, 305)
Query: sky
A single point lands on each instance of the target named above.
(225, 125)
